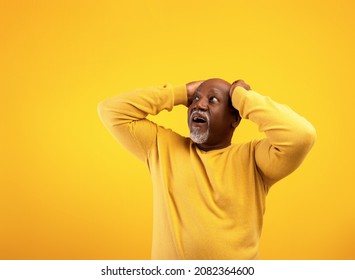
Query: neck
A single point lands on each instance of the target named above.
(206, 147)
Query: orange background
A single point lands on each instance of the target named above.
(69, 191)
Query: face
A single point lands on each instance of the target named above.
(211, 117)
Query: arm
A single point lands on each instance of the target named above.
(289, 136)
(125, 115)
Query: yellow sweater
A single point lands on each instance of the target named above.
(208, 205)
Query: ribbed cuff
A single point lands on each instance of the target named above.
(180, 95)
(238, 97)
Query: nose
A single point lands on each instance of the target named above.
(202, 104)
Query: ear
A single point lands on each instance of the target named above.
(237, 120)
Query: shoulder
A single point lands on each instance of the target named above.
(168, 137)
(246, 148)
(244, 153)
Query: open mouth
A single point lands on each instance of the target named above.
(199, 120)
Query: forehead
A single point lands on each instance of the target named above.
(215, 86)
(215, 89)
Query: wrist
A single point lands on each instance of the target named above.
(180, 95)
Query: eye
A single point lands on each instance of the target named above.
(195, 98)
(213, 99)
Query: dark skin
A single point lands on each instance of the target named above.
(213, 97)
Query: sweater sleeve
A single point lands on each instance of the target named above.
(125, 115)
(289, 137)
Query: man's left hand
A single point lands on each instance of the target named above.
(238, 83)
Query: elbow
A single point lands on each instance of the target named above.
(311, 135)
(112, 112)
(104, 112)
(101, 110)
(307, 137)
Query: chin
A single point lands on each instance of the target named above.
(199, 138)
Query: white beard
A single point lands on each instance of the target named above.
(198, 137)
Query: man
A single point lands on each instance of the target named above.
(209, 194)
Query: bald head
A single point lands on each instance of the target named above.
(219, 86)
(215, 83)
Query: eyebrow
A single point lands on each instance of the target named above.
(212, 90)
(216, 91)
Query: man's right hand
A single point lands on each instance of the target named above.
(191, 88)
